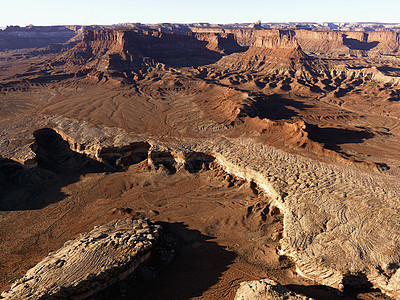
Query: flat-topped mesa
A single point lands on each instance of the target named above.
(276, 51)
(134, 49)
(280, 44)
(349, 42)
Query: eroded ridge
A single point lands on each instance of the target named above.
(89, 263)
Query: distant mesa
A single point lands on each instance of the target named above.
(256, 25)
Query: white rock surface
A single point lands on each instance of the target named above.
(266, 289)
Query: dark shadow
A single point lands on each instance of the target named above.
(23, 188)
(179, 50)
(198, 264)
(274, 107)
(272, 85)
(329, 293)
(356, 283)
(260, 84)
(329, 88)
(390, 71)
(165, 159)
(196, 161)
(285, 87)
(356, 82)
(354, 44)
(123, 157)
(27, 188)
(343, 91)
(332, 137)
(54, 153)
(316, 89)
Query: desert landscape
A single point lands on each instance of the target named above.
(200, 161)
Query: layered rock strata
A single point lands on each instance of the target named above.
(89, 263)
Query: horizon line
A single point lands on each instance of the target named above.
(199, 22)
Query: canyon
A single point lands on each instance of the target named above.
(262, 151)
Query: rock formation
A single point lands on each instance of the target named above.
(89, 263)
(276, 51)
(266, 289)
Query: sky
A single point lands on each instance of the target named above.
(107, 12)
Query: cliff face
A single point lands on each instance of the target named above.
(276, 50)
(343, 42)
(280, 44)
(388, 42)
(114, 47)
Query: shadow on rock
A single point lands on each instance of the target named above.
(275, 107)
(24, 188)
(333, 137)
(354, 285)
(197, 266)
(355, 44)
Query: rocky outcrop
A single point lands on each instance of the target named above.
(266, 289)
(89, 263)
